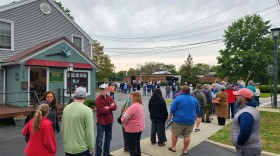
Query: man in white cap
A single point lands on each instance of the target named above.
(104, 115)
(77, 126)
(245, 131)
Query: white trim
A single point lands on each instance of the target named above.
(28, 85)
(65, 81)
(28, 78)
(15, 4)
(12, 34)
(4, 87)
(91, 52)
(82, 40)
(23, 2)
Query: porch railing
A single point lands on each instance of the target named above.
(33, 100)
(62, 97)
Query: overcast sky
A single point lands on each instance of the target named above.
(168, 29)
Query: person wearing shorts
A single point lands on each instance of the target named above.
(183, 112)
(199, 95)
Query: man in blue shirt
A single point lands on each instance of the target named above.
(183, 112)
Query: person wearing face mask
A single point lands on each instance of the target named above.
(104, 114)
(245, 130)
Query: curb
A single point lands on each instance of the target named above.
(232, 148)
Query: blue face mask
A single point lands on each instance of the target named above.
(128, 102)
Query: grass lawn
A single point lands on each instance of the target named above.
(269, 133)
(168, 101)
(264, 95)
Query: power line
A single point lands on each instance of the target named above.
(113, 38)
(162, 51)
(190, 24)
(164, 47)
(211, 26)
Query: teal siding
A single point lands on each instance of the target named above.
(15, 94)
(93, 84)
(74, 57)
(55, 85)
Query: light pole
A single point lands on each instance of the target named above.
(270, 72)
(70, 70)
(275, 32)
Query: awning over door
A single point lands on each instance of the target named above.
(48, 63)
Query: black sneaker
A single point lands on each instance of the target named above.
(196, 130)
(208, 121)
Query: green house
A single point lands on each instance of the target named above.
(29, 74)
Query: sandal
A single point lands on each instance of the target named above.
(170, 149)
(153, 143)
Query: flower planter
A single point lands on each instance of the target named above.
(19, 121)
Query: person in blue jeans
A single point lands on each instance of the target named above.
(104, 115)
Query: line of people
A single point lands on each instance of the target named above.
(186, 110)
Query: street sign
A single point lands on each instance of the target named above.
(270, 69)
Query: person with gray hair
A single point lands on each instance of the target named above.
(221, 109)
(199, 95)
(77, 126)
(209, 97)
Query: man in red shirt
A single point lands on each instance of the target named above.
(105, 106)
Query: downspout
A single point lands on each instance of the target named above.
(2, 73)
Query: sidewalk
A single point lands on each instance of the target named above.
(147, 149)
(207, 129)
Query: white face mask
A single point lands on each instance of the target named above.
(239, 101)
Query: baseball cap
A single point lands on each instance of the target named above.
(103, 86)
(245, 92)
(80, 92)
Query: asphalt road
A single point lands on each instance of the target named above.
(209, 149)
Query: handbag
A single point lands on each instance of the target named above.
(120, 119)
(216, 101)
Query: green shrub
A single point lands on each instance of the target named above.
(90, 103)
(268, 88)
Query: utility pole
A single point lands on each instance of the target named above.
(275, 32)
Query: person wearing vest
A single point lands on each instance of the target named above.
(245, 130)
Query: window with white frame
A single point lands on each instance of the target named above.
(78, 41)
(77, 79)
(6, 35)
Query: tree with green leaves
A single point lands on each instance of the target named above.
(249, 50)
(151, 67)
(117, 76)
(66, 10)
(105, 67)
(186, 71)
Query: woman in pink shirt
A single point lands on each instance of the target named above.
(134, 123)
(112, 91)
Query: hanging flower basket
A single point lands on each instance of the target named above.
(19, 120)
